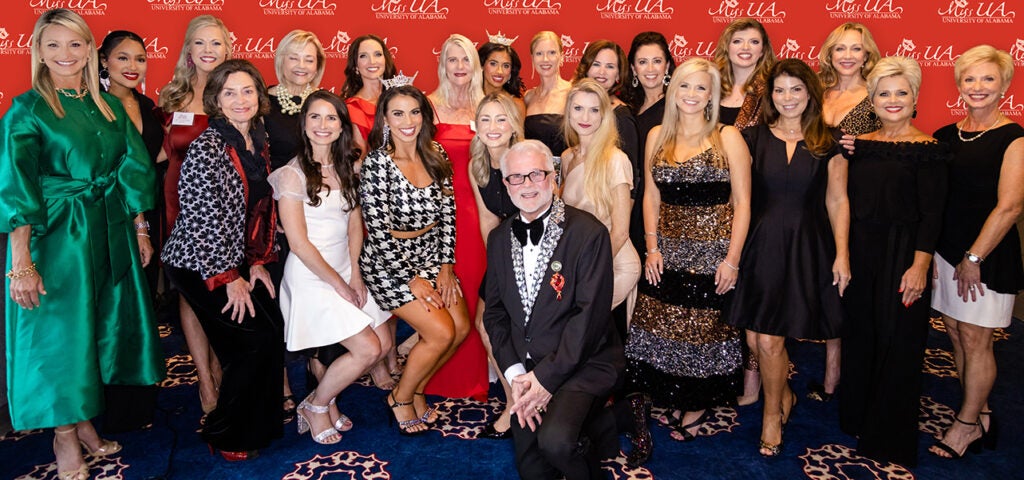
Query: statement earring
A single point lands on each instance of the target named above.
(914, 115)
(189, 63)
(105, 78)
(666, 80)
(635, 83)
(707, 111)
(387, 136)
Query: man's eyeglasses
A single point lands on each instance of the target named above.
(535, 176)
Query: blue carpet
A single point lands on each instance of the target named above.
(725, 448)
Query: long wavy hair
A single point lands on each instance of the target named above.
(514, 85)
(817, 136)
(590, 54)
(666, 140)
(826, 72)
(353, 81)
(294, 42)
(635, 96)
(343, 154)
(43, 84)
(598, 157)
(179, 91)
(437, 164)
(445, 92)
(721, 56)
(479, 157)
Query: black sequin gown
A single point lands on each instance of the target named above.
(678, 349)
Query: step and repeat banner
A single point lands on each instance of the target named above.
(934, 32)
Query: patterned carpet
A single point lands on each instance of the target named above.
(724, 449)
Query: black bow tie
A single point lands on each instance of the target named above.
(534, 228)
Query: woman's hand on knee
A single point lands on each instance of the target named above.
(239, 300)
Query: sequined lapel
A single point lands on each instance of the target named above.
(552, 234)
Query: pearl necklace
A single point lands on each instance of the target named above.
(288, 106)
(960, 132)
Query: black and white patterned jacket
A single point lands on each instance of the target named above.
(210, 235)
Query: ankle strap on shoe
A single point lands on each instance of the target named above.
(307, 405)
(69, 430)
(973, 424)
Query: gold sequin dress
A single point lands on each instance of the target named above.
(678, 349)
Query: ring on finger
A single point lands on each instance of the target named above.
(429, 298)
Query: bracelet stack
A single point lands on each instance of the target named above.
(24, 272)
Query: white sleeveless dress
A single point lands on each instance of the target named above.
(314, 314)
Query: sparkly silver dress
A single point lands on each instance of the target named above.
(678, 349)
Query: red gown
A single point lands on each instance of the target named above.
(361, 112)
(465, 374)
(176, 143)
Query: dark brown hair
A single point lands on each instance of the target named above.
(354, 82)
(635, 96)
(434, 161)
(590, 53)
(817, 136)
(219, 76)
(343, 154)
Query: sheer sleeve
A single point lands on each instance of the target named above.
(21, 198)
(289, 182)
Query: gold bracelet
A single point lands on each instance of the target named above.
(651, 234)
(24, 272)
(140, 234)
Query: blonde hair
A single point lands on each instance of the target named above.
(179, 90)
(721, 55)
(545, 35)
(294, 42)
(445, 93)
(894, 67)
(479, 157)
(42, 83)
(666, 139)
(598, 158)
(827, 72)
(981, 54)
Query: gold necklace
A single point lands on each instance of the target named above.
(960, 132)
(78, 95)
(288, 106)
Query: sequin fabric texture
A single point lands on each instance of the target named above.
(678, 349)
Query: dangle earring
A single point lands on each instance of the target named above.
(189, 63)
(707, 111)
(666, 80)
(105, 78)
(636, 82)
(387, 136)
(914, 115)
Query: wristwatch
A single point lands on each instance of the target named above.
(973, 258)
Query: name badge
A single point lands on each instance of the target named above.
(183, 118)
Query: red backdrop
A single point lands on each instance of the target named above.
(933, 32)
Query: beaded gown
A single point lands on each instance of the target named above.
(678, 349)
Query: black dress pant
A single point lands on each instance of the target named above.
(576, 433)
(248, 414)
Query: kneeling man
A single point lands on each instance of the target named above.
(548, 315)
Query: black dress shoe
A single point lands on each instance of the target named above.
(493, 434)
(641, 440)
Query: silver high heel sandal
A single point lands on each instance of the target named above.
(304, 425)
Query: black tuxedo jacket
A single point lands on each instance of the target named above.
(572, 342)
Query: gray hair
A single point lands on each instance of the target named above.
(535, 147)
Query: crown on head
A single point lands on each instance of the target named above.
(500, 39)
(399, 80)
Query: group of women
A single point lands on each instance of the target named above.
(758, 199)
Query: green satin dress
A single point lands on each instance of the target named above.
(78, 181)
